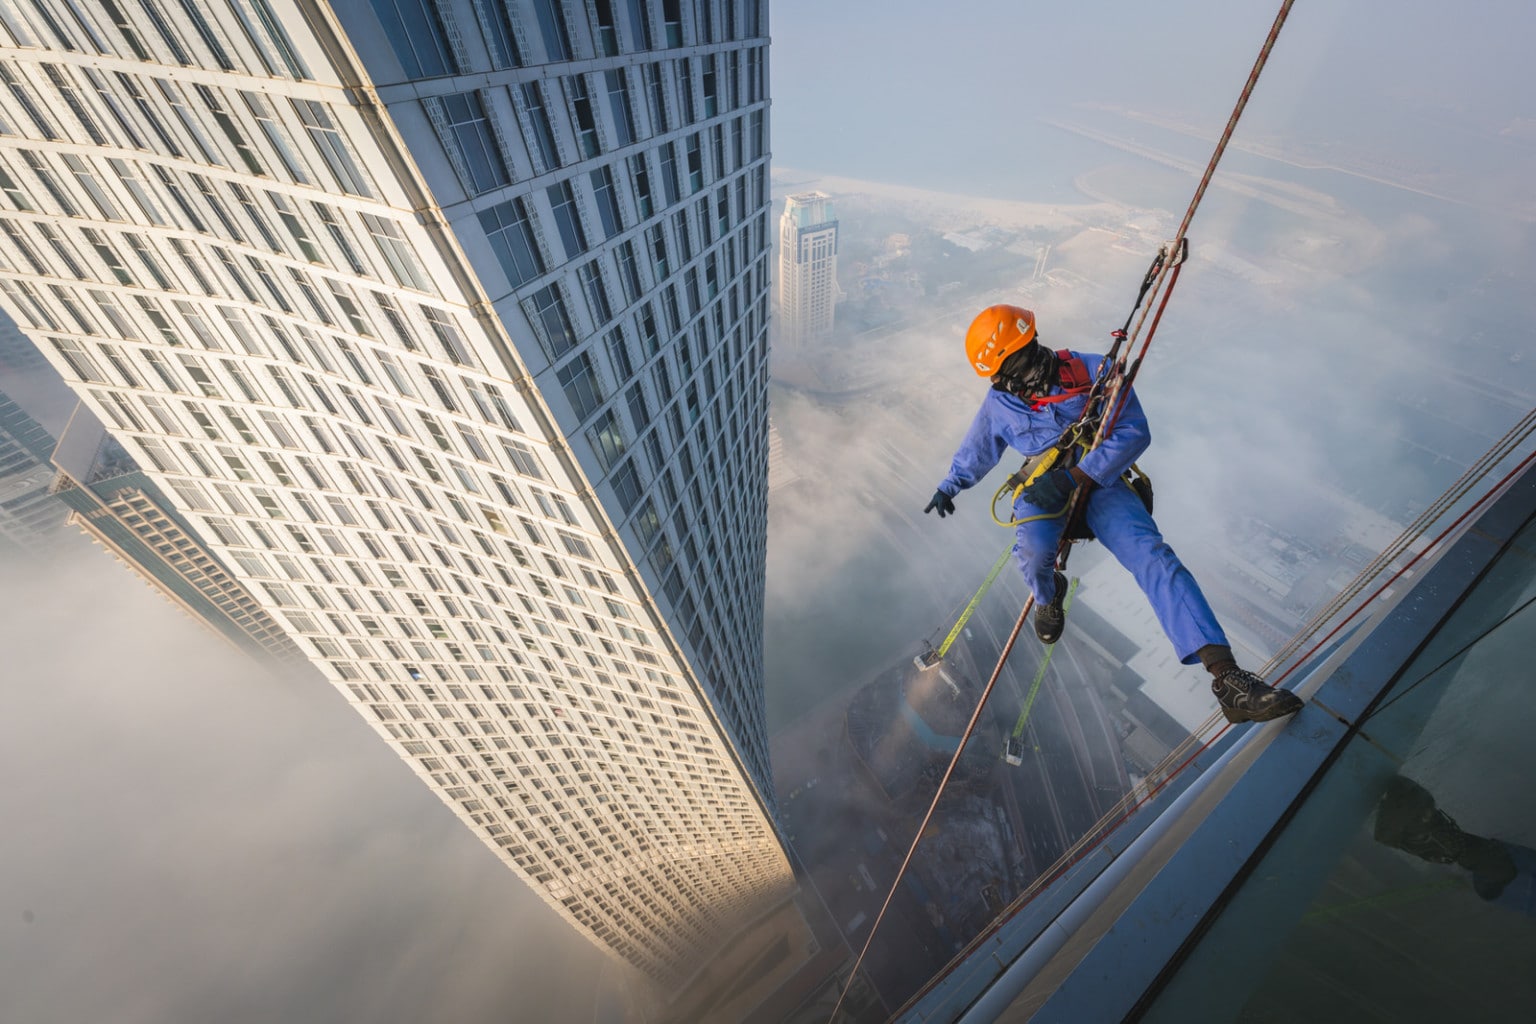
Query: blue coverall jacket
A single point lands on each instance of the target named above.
(1114, 512)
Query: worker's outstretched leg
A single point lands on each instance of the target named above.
(1125, 527)
(1035, 549)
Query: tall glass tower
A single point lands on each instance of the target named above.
(30, 515)
(443, 325)
(807, 267)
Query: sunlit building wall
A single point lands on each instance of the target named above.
(443, 325)
(807, 279)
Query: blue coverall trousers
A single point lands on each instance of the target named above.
(1123, 525)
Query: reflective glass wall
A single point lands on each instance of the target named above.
(1404, 888)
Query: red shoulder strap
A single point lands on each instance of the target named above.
(1074, 372)
(1073, 377)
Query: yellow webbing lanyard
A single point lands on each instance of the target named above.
(1037, 466)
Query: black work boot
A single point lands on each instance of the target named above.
(1051, 619)
(1407, 819)
(1244, 697)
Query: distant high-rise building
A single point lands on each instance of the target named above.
(443, 325)
(30, 516)
(808, 290)
(18, 355)
(117, 506)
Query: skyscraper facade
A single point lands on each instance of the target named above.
(443, 325)
(807, 268)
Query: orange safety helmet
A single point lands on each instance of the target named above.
(997, 333)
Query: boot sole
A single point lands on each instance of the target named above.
(1279, 709)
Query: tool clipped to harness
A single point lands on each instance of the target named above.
(1062, 456)
(1141, 484)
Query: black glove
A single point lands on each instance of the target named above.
(941, 502)
(1051, 491)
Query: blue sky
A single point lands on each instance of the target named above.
(897, 91)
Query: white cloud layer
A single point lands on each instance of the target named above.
(190, 838)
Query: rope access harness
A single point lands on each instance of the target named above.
(1111, 390)
(1082, 434)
